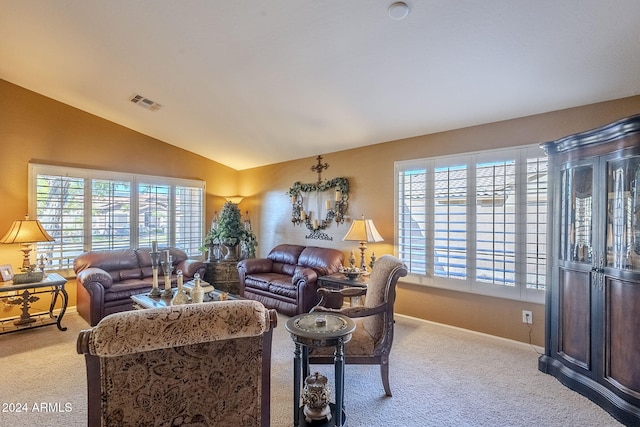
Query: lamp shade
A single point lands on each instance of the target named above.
(26, 231)
(363, 230)
(234, 199)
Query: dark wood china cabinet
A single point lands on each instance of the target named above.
(593, 300)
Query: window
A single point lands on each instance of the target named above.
(99, 210)
(475, 222)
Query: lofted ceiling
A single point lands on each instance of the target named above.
(253, 82)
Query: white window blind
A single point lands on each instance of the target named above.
(189, 205)
(475, 222)
(536, 227)
(496, 222)
(154, 214)
(450, 221)
(60, 206)
(110, 214)
(86, 209)
(412, 219)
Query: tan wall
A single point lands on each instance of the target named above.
(371, 176)
(34, 128)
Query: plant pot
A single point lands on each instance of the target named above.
(231, 250)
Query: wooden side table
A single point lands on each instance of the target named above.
(223, 275)
(52, 284)
(319, 330)
(340, 281)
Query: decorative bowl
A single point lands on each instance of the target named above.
(352, 274)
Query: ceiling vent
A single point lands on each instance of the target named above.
(145, 102)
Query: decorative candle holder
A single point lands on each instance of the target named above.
(316, 396)
(167, 268)
(155, 263)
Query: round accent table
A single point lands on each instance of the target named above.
(319, 330)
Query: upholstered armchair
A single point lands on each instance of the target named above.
(373, 337)
(205, 364)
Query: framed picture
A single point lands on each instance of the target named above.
(6, 272)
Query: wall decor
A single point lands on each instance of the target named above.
(317, 205)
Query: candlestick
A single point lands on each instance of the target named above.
(167, 268)
(328, 204)
(303, 215)
(315, 224)
(155, 262)
(337, 195)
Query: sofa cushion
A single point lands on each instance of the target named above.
(262, 280)
(286, 254)
(111, 261)
(130, 273)
(284, 288)
(322, 260)
(280, 268)
(126, 288)
(144, 256)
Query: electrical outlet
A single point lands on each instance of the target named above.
(527, 317)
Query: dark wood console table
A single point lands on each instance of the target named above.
(24, 294)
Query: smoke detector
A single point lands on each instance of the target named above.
(398, 10)
(145, 102)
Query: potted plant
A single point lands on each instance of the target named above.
(231, 232)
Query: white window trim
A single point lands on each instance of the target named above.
(518, 292)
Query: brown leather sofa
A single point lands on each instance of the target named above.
(106, 279)
(286, 279)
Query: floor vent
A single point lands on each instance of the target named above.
(145, 102)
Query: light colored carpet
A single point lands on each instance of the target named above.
(440, 376)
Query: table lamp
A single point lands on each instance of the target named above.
(26, 232)
(363, 231)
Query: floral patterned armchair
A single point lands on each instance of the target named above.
(197, 364)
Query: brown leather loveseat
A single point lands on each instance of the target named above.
(286, 279)
(107, 279)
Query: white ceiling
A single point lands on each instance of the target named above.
(254, 82)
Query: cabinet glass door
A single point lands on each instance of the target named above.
(623, 213)
(576, 231)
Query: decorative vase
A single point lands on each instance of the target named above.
(197, 293)
(230, 248)
(181, 296)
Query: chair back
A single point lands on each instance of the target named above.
(196, 364)
(382, 290)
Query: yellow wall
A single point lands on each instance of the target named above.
(36, 128)
(371, 177)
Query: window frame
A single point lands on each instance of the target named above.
(521, 154)
(135, 182)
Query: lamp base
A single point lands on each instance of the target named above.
(24, 321)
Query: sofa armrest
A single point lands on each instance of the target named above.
(306, 275)
(190, 267)
(306, 282)
(255, 265)
(94, 275)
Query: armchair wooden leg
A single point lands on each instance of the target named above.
(384, 370)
